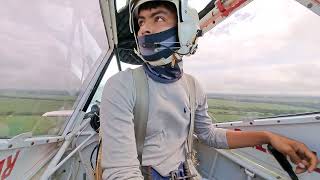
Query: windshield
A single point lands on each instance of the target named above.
(258, 64)
(47, 50)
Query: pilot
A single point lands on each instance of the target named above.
(165, 31)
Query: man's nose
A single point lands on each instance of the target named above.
(145, 29)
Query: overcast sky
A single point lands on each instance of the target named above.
(269, 46)
(49, 44)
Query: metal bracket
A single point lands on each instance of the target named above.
(249, 174)
(55, 164)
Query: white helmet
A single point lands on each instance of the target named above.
(188, 28)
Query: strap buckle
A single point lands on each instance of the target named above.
(175, 176)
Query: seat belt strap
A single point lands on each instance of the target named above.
(191, 87)
(141, 108)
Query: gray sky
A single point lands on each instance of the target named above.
(269, 46)
(48, 44)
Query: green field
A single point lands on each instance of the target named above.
(224, 108)
(13, 125)
(23, 112)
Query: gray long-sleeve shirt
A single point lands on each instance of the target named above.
(167, 127)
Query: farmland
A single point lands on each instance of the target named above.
(22, 112)
(225, 108)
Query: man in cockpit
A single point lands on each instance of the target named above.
(164, 34)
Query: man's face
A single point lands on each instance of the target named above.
(155, 20)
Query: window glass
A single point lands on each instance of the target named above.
(125, 66)
(258, 64)
(47, 50)
(120, 4)
(112, 70)
(198, 6)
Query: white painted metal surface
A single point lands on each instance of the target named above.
(64, 113)
(220, 12)
(23, 163)
(258, 160)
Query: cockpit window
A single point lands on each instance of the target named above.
(112, 70)
(260, 63)
(199, 6)
(120, 4)
(47, 50)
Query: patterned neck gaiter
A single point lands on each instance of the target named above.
(164, 74)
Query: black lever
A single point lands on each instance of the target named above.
(94, 114)
(284, 163)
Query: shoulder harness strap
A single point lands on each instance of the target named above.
(141, 108)
(191, 87)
